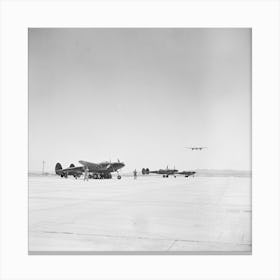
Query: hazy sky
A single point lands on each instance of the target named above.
(140, 95)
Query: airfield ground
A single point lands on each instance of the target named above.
(150, 214)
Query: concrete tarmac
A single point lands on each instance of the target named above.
(150, 214)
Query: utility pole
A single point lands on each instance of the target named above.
(43, 170)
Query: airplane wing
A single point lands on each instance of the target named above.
(75, 168)
(96, 167)
(88, 164)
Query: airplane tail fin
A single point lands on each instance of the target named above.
(145, 171)
(58, 166)
(72, 165)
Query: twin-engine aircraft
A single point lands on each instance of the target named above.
(196, 148)
(101, 170)
(166, 172)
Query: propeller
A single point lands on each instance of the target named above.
(108, 165)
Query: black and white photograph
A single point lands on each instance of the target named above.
(139, 141)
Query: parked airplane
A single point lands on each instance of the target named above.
(164, 172)
(196, 148)
(101, 170)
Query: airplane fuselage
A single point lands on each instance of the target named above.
(103, 167)
(165, 171)
(187, 173)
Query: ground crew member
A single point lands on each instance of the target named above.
(86, 174)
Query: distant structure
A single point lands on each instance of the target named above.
(43, 169)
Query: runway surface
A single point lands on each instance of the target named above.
(150, 214)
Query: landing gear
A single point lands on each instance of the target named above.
(109, 176)
(119, 176)
(100, 176)
(106, 176)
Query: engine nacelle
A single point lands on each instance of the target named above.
(145, 171)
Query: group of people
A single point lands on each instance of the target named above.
(87, 174)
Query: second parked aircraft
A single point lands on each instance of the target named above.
(166, 172)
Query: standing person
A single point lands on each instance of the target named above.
(86, 174)
(135, 174)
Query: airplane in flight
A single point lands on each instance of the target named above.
(196, 148)
(100, 170)
(164, 172)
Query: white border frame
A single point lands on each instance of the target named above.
(17, 16)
